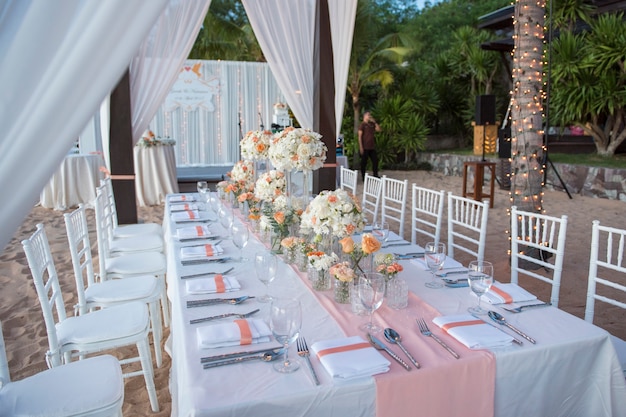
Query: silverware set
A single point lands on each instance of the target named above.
(215, 301)
(521, 308)
(223, 316)
(303, 351)
(204, 274)
(205, 261)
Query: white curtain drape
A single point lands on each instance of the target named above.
(59, 60)
(160, 58)
(285, 30)
(342, 15)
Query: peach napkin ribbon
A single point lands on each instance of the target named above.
(191, 214)
(219, 283)
(244, 329)
(505, 295)
(200, 230)
(449, 326)
(208, 249)
(345, 348)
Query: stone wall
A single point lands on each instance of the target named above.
(596, 182)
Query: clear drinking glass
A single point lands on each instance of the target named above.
(371, 290)
(435, 256)
(380, 231)
(480, 279)
(240, 234)
(265, 264)
(285, 322)
(226, 218)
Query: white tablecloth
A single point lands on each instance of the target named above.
(571, 371)
(155, 169)
(74, 182)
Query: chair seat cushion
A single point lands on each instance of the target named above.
(143, 263)
(78, 388)
(122, 290)
(118, 322)
(139, 229)
(143, 243)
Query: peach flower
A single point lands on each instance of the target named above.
(347, 244)
(279, 216)
(369, 244)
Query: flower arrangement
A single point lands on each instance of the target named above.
(369, 245)
(277, 217)
(242, 171)
(344, 276)
(297, 149)
(237, 188)
(148, 140)
(333, 212)
(270, 185)
(256, 144)
(319, 267)
(386, 264)
(290, 245)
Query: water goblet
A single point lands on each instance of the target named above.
(265, 264)
(371, 290)
(285, 322)
(226, 218)
(435, 256)
(480, 279)
(380, 230)
(240, 238)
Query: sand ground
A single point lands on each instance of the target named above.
(25, 335)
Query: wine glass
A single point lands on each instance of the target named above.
(265, 264)
(285, 322)
(371, 289)
(381, 231)
(480, 278)
(226, 218)
(203, 188)
(435, 256)
(214, 203)
(240, 238)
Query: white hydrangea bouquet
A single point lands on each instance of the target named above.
(297, 149)
(270, 185)
(321, 261)
(256, 144)
(334, 213)
(243, 171)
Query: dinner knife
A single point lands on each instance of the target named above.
(205, 261)
(213, 301)
(397, 244)
(217, 358)
(378, 344)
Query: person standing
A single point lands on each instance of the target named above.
(367, 143)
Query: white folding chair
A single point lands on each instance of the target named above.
(348, 179)
(427, 213)
(126, 230)
(139, 242)
(92, 294)
(127, 264)
(534, 239)
(394, 202)
(109, 328)
(92, 387)
(372, 189)
(607, 276)
(467, 226)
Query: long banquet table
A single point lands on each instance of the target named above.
(571, 371)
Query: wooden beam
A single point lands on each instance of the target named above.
(324, 98)
(121, 152)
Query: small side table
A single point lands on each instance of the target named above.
(479, 178)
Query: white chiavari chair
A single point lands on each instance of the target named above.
(394, 202)
(467, 226)
(534, 239)
(348, 180)
(110, 328)
(372, 190)
(427, 213)
(607, 276)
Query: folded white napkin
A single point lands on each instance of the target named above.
(183, 207)
(448, 265)
(201, 251)
(185, 215)
(349, 357)
(473, 332)
(507, 293)
(190, 232)
(182, 198)
(235, 333)
(210, 285)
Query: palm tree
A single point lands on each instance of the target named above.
(527, 150)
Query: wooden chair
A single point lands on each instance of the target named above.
(534, 239)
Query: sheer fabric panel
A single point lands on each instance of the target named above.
(58, 63)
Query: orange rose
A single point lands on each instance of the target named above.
(350, 228)
(260, 147)
(347, 244)
(279, 216)
(332, 199)
(369, 244)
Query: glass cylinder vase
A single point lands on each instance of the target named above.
(342, 291)
(276, 237)
(320, 279)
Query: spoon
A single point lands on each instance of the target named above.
(498, 318)
(266, 356)
(394, 337)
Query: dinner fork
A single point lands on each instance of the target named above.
(303, 351)
(521, 308)
(426, 332)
